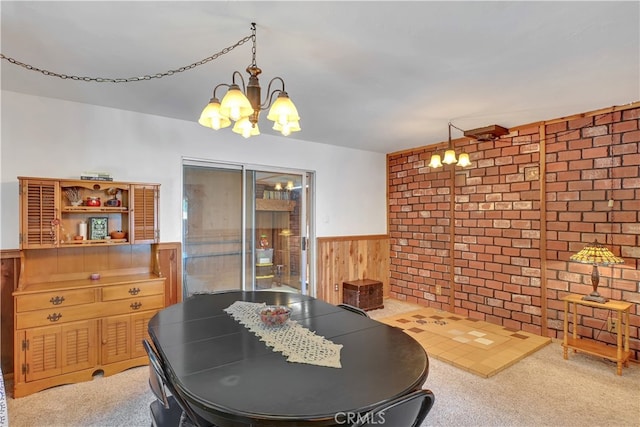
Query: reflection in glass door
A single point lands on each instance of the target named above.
(279, 226)
(258, 244)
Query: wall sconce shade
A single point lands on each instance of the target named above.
(435, 161)
(596, 254)
(463, 160)
(243, 105)
(450, 155)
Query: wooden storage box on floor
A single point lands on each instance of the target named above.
(365, 294)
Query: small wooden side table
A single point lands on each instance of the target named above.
(621, 353)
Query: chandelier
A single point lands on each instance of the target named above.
(450, 155)
(243, 104)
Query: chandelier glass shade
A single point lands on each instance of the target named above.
(211, 116)
(283, 111)
(245, 128)
(235, 105)
(450, 156)
(243, 105)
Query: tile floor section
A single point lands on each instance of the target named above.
(476, 346)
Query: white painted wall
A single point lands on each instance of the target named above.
(46, 137)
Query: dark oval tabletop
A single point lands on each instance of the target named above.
(230, 377)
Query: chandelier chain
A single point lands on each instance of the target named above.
(134, 79)
(253, 44)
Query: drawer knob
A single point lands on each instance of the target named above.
(134, 291)
(57, 300)
(135, 305)
(54, 317)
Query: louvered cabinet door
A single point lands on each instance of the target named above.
(116, 339)
(79, 346)
(39, 219)
(55, 350)
(144, 213)
(140, 327)
(122, 336)
(42, 353)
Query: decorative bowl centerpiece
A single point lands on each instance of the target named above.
(275, 315)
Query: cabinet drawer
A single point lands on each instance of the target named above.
(57, 315)
(54, 299)
(132, 290)
(134, 305)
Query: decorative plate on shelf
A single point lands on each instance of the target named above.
(98, 228)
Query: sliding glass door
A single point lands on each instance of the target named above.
(279, 230)
(246, 228)
(212, 211)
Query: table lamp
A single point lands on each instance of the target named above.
(596, 254)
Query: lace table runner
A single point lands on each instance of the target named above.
(294, 341)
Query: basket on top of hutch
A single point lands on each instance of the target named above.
(69, 326)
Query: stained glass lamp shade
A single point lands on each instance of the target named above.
(596, 254)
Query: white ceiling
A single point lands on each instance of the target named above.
(380, 76)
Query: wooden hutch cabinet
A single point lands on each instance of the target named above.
(82, 304)
(49, 219)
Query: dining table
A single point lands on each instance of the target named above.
(230, 373)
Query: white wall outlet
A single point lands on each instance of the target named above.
(438, 290)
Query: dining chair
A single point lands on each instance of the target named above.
(167, 410)
(353, 309)
(408, 410)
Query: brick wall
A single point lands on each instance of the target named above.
(529, 201)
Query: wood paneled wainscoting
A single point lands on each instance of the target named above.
(10, 260)
(346, 258)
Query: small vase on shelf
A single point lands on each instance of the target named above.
(93, 201)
